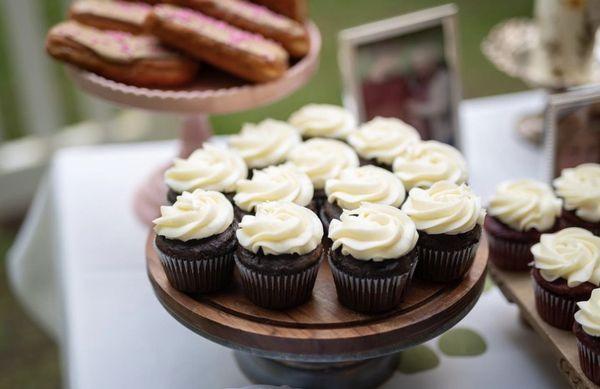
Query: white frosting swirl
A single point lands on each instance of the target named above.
(322, 159)
(266, 143)
(195, 215)
(373, 232)
(284, 182)
(525, 204)
(324, 120)
(383, 139)
(280, 227)
(208, 168)
(365, 184)
(579, 187)
(589, 314)
(445, 208)
(572, 254)
(428, 162)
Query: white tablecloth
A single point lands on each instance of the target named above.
(78, 267)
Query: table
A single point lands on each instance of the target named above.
(78, 267)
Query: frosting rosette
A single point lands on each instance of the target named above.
(572, 254)
(208, 168)
(266, 143)
(322, 159)
(280, 227)
(525, 204)
(383, 139)
(195, 215)
(589, 314)
(323, 120)
(373, 232)
(365, 184)
(428, 162)
(579, 187)
(283, 182)
(445, 208)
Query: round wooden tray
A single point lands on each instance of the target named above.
(321, 330)
(214, 92)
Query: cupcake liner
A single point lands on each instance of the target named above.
(590, 362)
(444, 265)
(278, 291)
(508, 254)
(200, 275)
(370, 295)
(554, 309)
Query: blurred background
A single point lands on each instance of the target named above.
(40, 111)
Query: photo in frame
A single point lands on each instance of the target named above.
(405, 67)
(572, 126)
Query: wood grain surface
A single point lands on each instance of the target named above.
(321, 330)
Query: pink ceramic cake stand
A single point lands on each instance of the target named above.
(214, 92)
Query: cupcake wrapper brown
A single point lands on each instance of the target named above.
(278, 291)
(444, 265)
(554, 309)
(370, 295)
(590, 362)
(509, 255)
(198, 276)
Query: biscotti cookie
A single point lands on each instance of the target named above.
(246, 55)
(111, 15)
(295, 9)
(257, 19)
(132, 59)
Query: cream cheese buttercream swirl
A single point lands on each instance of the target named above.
(383, 139)
(323, 120)
(266, 143)
(525, 204)
(445, 208)
(579, 188)
(283, 182)
(196, 215)
(373, 232)
(428, 162)
(280, 227)
(365, 184)
(208, 168)
(589, 314)
(572, 254)
(322, 159)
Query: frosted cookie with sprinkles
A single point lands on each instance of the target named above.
(111, 15)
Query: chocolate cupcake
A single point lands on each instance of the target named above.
(195, 241)
(209, 168)
(323, 121)
(579, 188)
(322, 159)
(266, 143)
(566, 270)
(429, 162)
(284, 182)
(279, 254)
(518, 213)
(373, 257)
(354, 186)
(587, 331)
(379, 141)
(448, 218)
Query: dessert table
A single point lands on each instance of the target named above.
(78, 266)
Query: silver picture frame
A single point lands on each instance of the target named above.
(349, 41)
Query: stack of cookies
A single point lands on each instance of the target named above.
(162, 44)
(375, 201)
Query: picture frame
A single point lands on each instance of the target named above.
(572, 129)
(434, 30)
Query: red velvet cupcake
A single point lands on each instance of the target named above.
(587, 331)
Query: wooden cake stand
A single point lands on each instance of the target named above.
(320, 343)
(214, 92)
